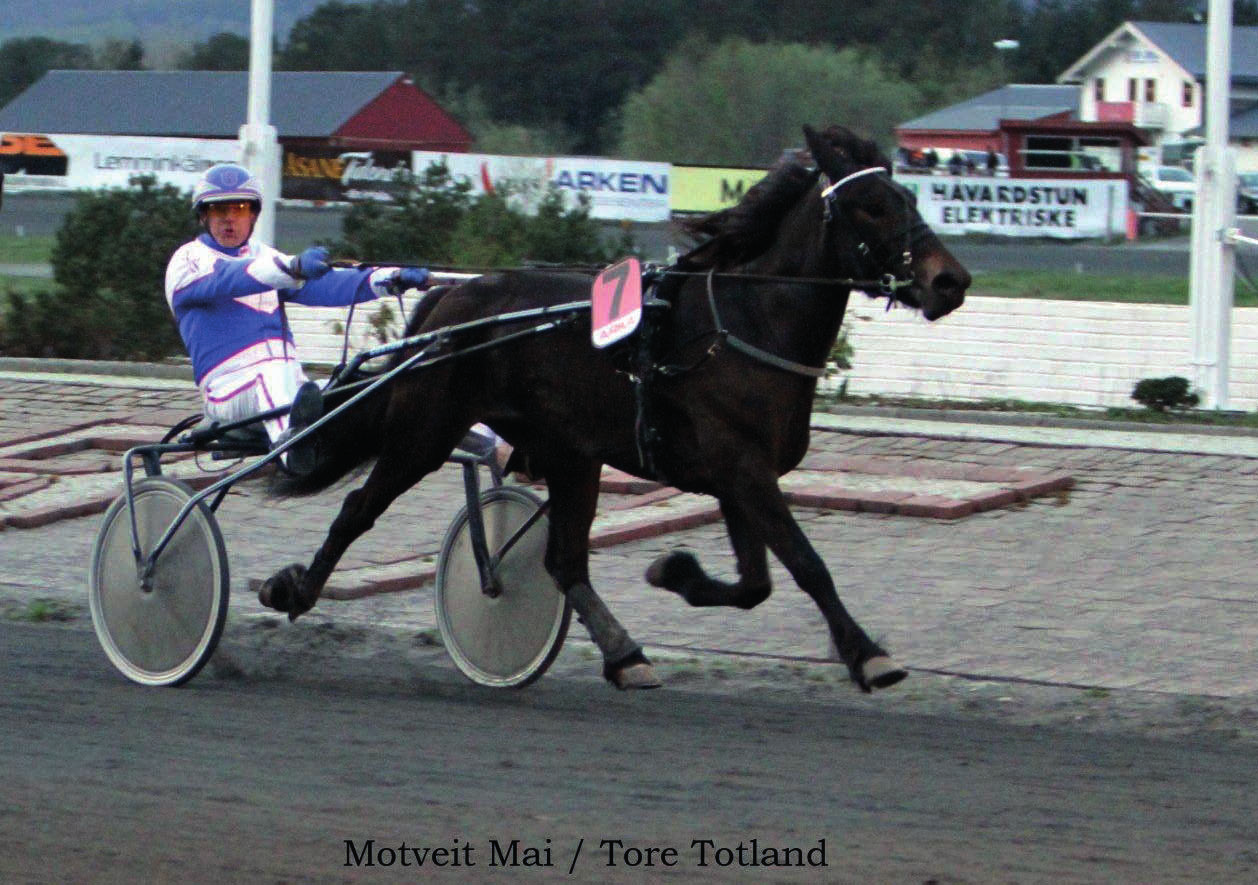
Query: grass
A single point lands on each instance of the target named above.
(1068, 286)
(1124, 289)
(25, 250)
(42, 610)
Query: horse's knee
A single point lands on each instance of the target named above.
(750, 597)
(681, 573)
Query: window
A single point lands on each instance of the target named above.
(1077, 153)
(1150, 90)
(1099, 90)
(1131, 89)
(1188, 93)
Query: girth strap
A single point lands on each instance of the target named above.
(751, 350)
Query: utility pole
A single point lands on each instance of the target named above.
(259, 142)
(1213, 268)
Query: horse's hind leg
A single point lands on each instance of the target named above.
(295, 589)
(573, 492)
(681, 573)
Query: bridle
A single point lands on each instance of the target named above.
(914, 231)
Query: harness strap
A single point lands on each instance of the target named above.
(872, 170)
(756, 353)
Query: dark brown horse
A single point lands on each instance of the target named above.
(717, 401)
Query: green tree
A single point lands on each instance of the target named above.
(109, 261)
(26, 59)
(417, 226)
(222, 52)
(437, 221)
(119, 55)
(560, 67)
(741, 104)
(341, 36)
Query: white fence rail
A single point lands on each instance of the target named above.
(1076, 352)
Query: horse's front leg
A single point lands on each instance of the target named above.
(573, 488)
(295, 588)
(681, 573)
(761, 503)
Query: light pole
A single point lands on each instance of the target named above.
(259, 142)
(1002, 47)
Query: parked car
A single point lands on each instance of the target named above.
(1175, 183)
(1247, 193)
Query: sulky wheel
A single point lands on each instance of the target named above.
(163, 635)
(507, 640)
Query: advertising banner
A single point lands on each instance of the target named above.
(34, 161)
(1028, 207)
(336, 175)
(709, 188)
(617, 189)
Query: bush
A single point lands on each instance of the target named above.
(417, 225)
(436, 221)
(1163, 394)
(109, 263)
(110, 254)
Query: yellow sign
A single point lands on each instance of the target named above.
(708, 188)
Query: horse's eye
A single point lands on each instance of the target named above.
(875, 210)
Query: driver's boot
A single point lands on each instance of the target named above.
(302, 457)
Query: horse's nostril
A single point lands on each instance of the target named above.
(952, 284)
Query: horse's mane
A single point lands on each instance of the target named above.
(745, 230)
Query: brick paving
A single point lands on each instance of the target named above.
(1126, 562)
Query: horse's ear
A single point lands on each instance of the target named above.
(822, 153)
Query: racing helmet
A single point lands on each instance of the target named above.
(226, 182)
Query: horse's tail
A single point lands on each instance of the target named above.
(353, 438)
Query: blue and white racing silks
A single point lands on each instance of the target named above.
(228, 303)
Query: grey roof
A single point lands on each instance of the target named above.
(1186, 44)
(188, 103)
(1016, 101)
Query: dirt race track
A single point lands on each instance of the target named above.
(296, 758)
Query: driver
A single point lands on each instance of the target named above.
(228, 291)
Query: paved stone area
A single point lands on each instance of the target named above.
(1140, 575)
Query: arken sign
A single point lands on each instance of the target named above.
(617, 189)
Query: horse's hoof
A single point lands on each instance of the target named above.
(279, 591)
(636, 676)
(672, 570)
(882, 672)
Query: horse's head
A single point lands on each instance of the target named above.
(875, 230)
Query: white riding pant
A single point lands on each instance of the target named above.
(234, 394)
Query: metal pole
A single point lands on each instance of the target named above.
(1213, 270)
(259, 141)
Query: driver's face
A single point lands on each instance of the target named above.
(231, 223)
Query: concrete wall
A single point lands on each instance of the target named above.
(1075, 352)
